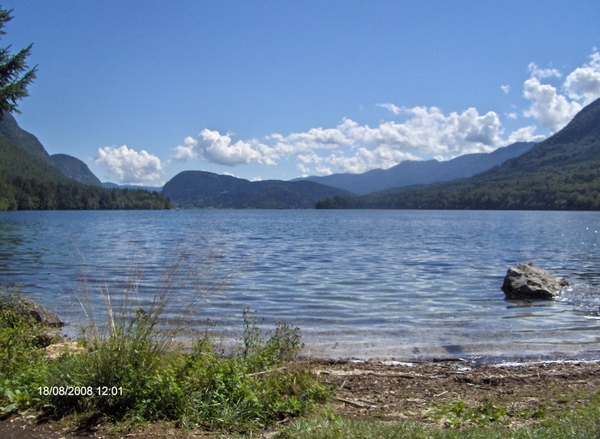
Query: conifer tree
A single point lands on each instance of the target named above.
(15, 74)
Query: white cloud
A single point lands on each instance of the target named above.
(324, 170)
(357, 148)
(217, 148)
(128, 165)
(364, 160)
(583, 83)
(525, 134)
(426, 132)
(186, 151)
(552, 108)
(536, 72)
(391, 107)
(303, 169)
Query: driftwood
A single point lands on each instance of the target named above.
(354, 403)
(368, 373)
(279, 369)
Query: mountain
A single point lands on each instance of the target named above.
(74, 169)
(29, 180)
(10, 130)
(410, 172)
(560, 173)
(207, 190)
(22, 154)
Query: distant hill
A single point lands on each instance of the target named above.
(207, 190)
(560, 173)
(109, 185)
(411, 172)
(74, 169)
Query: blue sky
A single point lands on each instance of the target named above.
(142, 90)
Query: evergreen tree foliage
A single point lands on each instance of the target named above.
(15, 74)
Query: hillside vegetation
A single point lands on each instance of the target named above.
(201, 189)
(74, 169)
(561, 173)
(29, 180)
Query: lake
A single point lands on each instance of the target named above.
(401, 285)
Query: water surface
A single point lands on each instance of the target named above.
(394, 284)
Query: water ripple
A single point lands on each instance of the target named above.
(403, 284)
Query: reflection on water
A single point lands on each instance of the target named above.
(403, 284)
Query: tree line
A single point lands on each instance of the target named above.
(575, 187)
(18, 193)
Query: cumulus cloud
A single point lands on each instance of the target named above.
(357, 148)
(426, 131)
(536, 72)
(525, 134)
(549, 107)
(583, 83)
(217, 148)
(391, 107)
(555, 107)
(304, 170)
(128, 165)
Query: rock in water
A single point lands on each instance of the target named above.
(526, 281)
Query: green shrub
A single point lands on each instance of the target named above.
(257, 387)
(130, 373)
(131, 369)
(23, 366)
(149, 380)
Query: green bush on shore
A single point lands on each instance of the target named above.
(131, 373)
(255, 386)
(23, 366)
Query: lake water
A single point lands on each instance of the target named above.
(369, 284)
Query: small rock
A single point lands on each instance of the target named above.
(526, 281)
(25, 306)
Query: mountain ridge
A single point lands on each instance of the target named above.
(75, 169)
(29, 180)
(560, 173)
(202, 189)
(22, 139)
(412, 172)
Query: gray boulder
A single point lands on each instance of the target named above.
(526, 281)
(26, 306)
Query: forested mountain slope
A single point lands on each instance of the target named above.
(207, 190)
(560, 173)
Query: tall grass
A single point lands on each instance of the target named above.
(190, 274)
(133, 368)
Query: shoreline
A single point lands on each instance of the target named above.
(435, 396)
